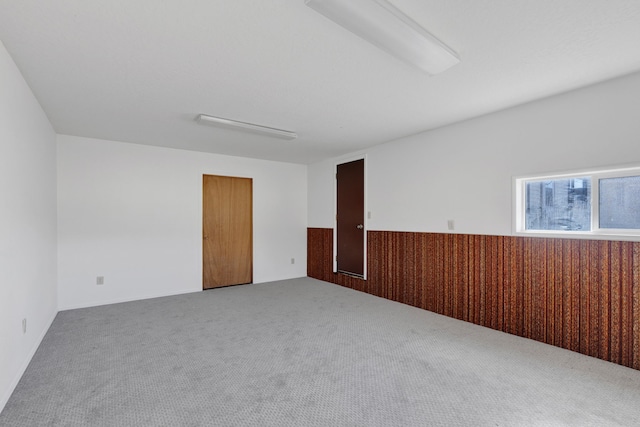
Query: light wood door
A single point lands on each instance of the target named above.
(350, 217)
(227, 231)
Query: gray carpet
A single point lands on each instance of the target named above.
(305, 353)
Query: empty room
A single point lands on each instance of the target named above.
(320, 213)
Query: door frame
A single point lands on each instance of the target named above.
(365, 214)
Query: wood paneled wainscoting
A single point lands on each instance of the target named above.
(582, 295)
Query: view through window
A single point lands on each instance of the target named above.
(559, 204)
(598, 202)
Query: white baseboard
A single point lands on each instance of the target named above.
(25, 364)
(128, 299)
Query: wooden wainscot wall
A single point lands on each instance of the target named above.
(582, 295)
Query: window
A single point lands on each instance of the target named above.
(620, 203)
(605, 202)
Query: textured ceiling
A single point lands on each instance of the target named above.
(141, 70)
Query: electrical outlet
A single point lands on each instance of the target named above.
(24, 326)
(451, 224)
(100, 280)
(293, 260)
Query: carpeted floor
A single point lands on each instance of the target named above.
(305, 353)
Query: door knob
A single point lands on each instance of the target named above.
(359, 226)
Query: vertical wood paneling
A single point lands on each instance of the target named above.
(508, 318)
(574, 284)
(473, 271)
(481, 306)
(393, 287)
(373, 265)
(567, 334)
(546, 274)
(491, 312)
(549, 278)
(595, 298)
(424, 267)
(499, 280)
(420, 255)
(458, 260)
(539, 290)
(445, 308)
(413, 297)
(604, 284)
(635, 363)
(519, 286)
(319, 253)
(434, 270)
(626, 293)
(616, 303)
(527, 330)
(583, 295)
(558, 318)
(511, 285)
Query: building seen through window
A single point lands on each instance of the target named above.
(620, 202)
(559, 204)
(597, 202)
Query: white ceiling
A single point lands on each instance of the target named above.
(141, 70)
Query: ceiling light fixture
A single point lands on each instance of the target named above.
(247, 127)
(385, 26)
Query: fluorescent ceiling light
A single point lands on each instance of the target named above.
(247, 127)
(385, 26)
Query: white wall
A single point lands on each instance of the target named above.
(133, 214)
(464, 171)
(27, 224)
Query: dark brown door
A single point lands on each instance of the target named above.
(350, 219)
(227, 231)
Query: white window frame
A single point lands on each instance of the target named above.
(519, 205)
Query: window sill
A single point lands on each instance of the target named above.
(554, 234)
